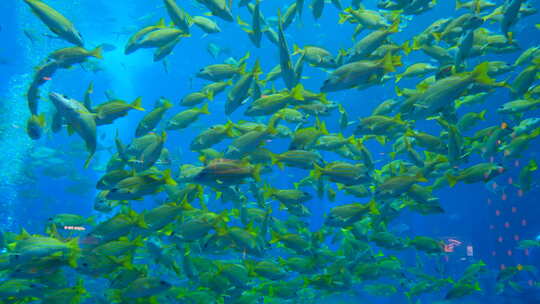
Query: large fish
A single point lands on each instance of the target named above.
(56, 22)
(79, 120)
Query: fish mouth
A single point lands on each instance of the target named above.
(54, 95)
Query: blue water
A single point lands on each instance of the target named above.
(490, 218)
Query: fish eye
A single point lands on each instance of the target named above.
(163, 283)
(50, 219)
(65, 96)
(85, 264)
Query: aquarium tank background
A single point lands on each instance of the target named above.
(273, 151)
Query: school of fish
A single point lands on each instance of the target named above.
(216, 238)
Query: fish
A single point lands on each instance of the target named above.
(178, 15)
(218, 8)
(79, 120)
(360, 72)
(56, 22)
(185, 118)
(150, 121)
(134, 41)
(206, 24)
(35, 125)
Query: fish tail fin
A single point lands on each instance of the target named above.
(406, 47)
(229, 128)
(386, 63)
(480, 75)
(316, 173)
(268, 191)
(394, 28)
(204, 109)
(322, 98)
(296, 92)
(257, 172)
(276, 161)
(389, 62)
(275, 237)
(167, 104)
(210, 95)
(41, 119)
(168, 179)
(343, 18)
(223, 217)
(74, 251)
(257, 70)
(140, 222)
(271, 128)
(420, 178)
(296, 49)
(138, 241)
(373, 208)
(97, 52)
(242, 68)
(533, 166)
(409, 133)
(459, 5)
(79, 287)
(482, 115)
(452, 180)
(416, 44)
(398, 90)
(136, 104)
(241, 22)
(321, 126)
(381, 140)
(161, 23)
(510, 37)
